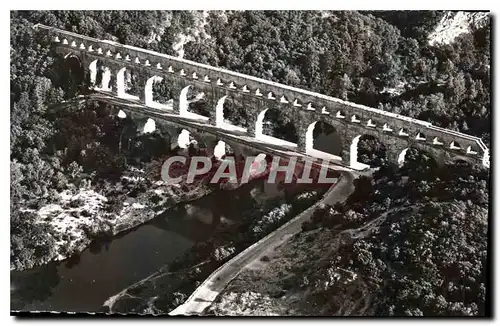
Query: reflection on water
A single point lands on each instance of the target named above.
(84, 282)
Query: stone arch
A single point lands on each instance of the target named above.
(462, 160)
(121, 83)
(121, 114)
(259, 163)
(275, 130)
(234, 115)
(183, 101)
(186, 140)
(403, 155)
(223, 149)
(149, 126)
(259, 124)
(106, 80)
(73, 75)
(183, 139)
(148, 92)
(355, 153)
(195, 102)
(323, 138)
(94, 71)
(219, 112)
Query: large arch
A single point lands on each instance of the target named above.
(416, 153)
(323, 140)
(194, 103)
(123, 84)
(231, 114)
(358, 157)
(149, 93)
(73, 76)
(271, 127)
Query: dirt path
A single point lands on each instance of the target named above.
(207, 292)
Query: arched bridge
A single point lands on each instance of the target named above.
(109, 66)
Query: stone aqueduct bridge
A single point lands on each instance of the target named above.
(304, 108)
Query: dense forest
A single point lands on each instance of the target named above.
(416, 238)
(380, 59)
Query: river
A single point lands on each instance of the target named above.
(84, 282)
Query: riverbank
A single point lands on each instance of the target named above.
(78, 216)
(170, 287)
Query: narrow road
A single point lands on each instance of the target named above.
(206, 293)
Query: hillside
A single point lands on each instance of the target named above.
(410, 242)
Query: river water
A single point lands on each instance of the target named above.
(83, 283)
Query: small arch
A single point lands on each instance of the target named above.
(437, 141)
(324, 111)
(471, 151)
(231, 85)
(245, 89)
(122, 114)
(298, 104)
(271, 96)
(403, 132)
(183, 140)
(340, 114)
(386, 128)
(219, 82)
(455, 145)
(194, 75)
(370, 123)
(146, 63)
(220, 149)
(206, 79)
(283, 99)
(150, 126)
(118, 55)
(355, 119)
(420, 136)
(258, 92)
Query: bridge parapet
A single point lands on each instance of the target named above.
(301, 102)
